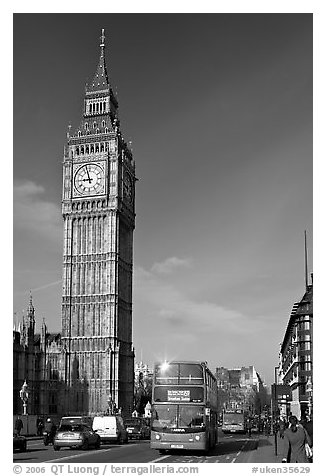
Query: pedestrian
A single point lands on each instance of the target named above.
(267, 428)
(282, 428)
(308, 426)
(18, 425)
(50, 428)
(40, 427)
(249, 427)
(295, 438)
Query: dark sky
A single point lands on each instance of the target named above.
(219, 111)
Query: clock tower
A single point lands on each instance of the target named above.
(98, 208)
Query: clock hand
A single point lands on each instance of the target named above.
(89, 178)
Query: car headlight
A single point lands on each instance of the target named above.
(197, 437)
(157, 437)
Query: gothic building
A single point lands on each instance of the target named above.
(91, 365)
(37, 358)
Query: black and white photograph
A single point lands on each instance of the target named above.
(162, 240)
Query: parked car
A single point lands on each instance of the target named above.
(20, 442)
(110, 428)
(75, 435)
(137, 428)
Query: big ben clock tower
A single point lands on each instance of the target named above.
(98, 208)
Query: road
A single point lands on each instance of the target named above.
(230, 449)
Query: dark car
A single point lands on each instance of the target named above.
(137, 429)
(20, 442)
(76, 436)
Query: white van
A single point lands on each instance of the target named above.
(110, 428)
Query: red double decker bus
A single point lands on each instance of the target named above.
(184, 407)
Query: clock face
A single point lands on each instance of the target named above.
(127, 187)
(89, 179)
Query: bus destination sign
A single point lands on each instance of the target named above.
(178, 395)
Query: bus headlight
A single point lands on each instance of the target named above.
(197, 437)
(157, 437)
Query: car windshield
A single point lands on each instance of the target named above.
(132, 422)
(71, 428)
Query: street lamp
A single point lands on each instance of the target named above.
(24, 397)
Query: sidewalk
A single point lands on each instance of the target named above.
(265, 451)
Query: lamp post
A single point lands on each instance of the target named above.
(24, 396)
(275, 407)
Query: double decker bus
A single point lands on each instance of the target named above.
(234, 421)
(184, 407)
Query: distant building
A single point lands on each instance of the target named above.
(241, 388)
(296, 355)
(143, 370)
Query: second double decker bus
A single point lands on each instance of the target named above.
(234, 421)
(184, 407)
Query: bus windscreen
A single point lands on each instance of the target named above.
(170, 417)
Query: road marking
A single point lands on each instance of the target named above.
(159, 459)
(83, 453)
(233, 460)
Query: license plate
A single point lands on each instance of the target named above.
(177, 446)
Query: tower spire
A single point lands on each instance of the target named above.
(100, 80)
(102, 44)
(306, 259)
